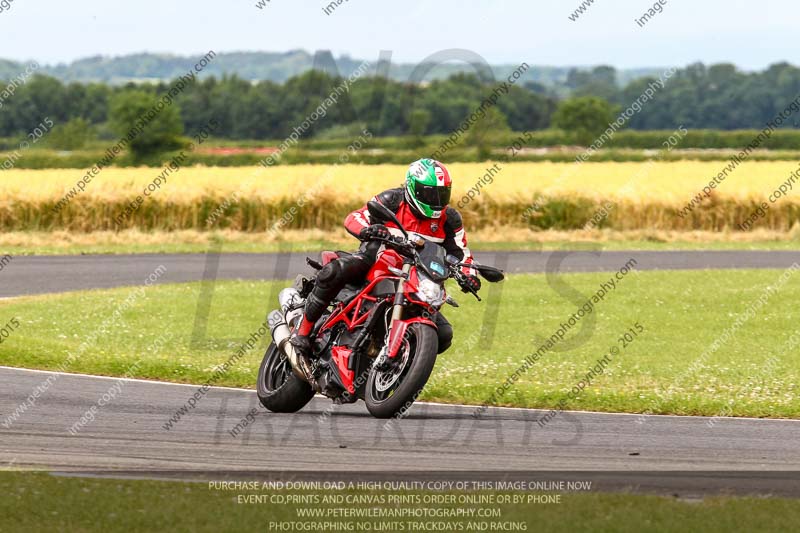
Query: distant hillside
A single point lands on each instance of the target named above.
(273, 66)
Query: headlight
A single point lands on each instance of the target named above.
(430, 291)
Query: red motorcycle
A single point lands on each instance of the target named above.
(376, 342)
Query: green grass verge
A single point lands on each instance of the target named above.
(42, 502)
(755, 372)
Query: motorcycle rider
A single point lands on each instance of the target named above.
(421, 206)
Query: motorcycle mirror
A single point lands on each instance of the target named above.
(381, 213)
(451, 259)
(490, 274)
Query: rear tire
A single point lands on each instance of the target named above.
(422, 344)
(278, 388)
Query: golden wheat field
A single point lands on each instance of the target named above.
(541, 195)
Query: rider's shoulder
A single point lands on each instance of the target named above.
(453, 218)
(391, 198)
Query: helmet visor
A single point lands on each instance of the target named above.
(437, 197)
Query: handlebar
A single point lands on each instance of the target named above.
(400, 244)
(409, 249)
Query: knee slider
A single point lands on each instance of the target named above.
(445, 337)
(444, 344)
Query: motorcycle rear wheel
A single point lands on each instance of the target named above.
(387, 399)
(278, 388)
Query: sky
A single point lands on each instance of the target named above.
(751, 35)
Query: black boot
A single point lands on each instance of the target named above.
(301, 339)
(302, 344)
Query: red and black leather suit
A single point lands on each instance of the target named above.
(446, 230)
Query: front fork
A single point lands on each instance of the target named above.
(397, 315)
(399, 297)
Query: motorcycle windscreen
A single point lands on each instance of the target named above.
(433, 257)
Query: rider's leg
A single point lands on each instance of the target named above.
(444, 332)
(330, 280)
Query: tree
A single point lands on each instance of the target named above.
(487, 131)
(526, 110)
(418, 121)
(600, 81)
(161, 134)
(70, 136)
(585, 117)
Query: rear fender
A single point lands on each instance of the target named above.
(399, 329)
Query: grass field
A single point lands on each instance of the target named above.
(509, 238)
(542, 195)
(42, 502)
(754, 372)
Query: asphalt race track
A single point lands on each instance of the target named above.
(48, 274)
(128, 437)
(666, 454)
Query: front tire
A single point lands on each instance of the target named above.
(278, 388)
(387, 399)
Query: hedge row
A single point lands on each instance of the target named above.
(702, 145)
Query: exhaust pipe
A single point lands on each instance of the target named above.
(279, 330)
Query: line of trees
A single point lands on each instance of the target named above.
(714, 97)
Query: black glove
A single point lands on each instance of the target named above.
(375, 231)
(471, 282)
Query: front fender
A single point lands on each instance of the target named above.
(398, 333)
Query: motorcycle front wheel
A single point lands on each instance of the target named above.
(391, 390)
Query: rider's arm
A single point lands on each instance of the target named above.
(359, 219)
(455, 241)
(356, 221)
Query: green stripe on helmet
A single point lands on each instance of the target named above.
(422, 171)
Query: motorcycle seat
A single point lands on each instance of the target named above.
(327, 256)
